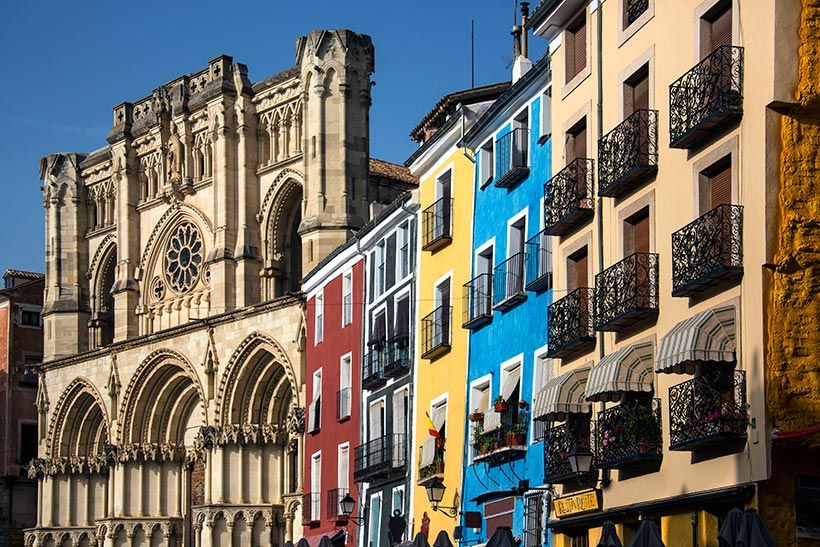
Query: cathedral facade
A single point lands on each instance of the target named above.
(171, 400)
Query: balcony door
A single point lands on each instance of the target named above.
(441, 334)
(401, 411)
(520, 141)
(376, 420)
(516, 240)
(444, 193)
(578, 270)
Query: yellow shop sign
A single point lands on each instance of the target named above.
(583, 502)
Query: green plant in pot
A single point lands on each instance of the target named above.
(500, 405)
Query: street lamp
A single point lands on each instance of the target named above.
(435, 493)
(580, 459)
(347, 504)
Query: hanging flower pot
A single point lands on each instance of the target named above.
(500, 405)
(476, 416)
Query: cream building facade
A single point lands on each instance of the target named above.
(171, 400)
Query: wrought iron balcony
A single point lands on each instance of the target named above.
(506, 441)
(343, 404)
(706, 98)
(511, 163)
(334, 507)
(437, 224)
(633, 10)
(434, 469)
(508, 282)
(630, 434)
(311, 507)
(539, 263)
(708, 251)
(478, 303)
(626, 293)
(435, 332)
(568, 198)
(397, 362)
(373, 366)
(569, 323)
(708, 410)
(559, 441)
(628, 154)
(380, 457)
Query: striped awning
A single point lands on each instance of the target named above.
(492, 421)
(706, 337)
(563, 395)
(626, 370)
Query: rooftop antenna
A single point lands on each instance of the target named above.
(472, 53)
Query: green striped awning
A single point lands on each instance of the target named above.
(563, 395)
(707, 337)
(625, 370)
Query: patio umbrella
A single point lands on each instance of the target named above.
(420, 541)
(647, 535)
(302, 543)
(753, 533)
(502, 537)
(609, 537)
(288, 543)
(730, 531)
(325, 542)
(442, 540)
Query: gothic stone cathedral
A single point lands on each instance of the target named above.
(171, 401)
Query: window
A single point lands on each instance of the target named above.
(28, 372)
(636, 233)
(577, 269)
(634, 9)
(345, 382)
(438, 415)
(378, 331)
(716, 28)
(390, 262)
(397, 503)
(315, 486)
(319, 318)
(521, 141)
(499, 513)
(343, 480)
(533, 520)
(545, 122)
(401, 411)
(375, 521)
(576, 46)
(484, 261)
(315, 409)
(441, 335)
(381, 273)
(28, 442)
(403, 266)
(30, 318)
(636, 91)
(376, 420)
(347, 298)
(716, 185)
(541, 374)
(579, 538)
(486, 163)
(479, 404)
(576, 142)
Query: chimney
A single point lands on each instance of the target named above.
(521, 64)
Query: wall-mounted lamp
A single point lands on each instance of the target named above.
(435, 493)
(347, 504)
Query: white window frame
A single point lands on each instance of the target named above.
(348, 376)
(522, 214)
(477, 386)
(377, 525)
(436, 402)
(508, 366)
(545, 115)
(538, 382)
(316, 486)
(383, 402)
(319, 318)
(343, 479)
(481, 249)
(398, 489)
(380, 264)
(403, 258)
(486, 152)
(316, 395)
(347, 298)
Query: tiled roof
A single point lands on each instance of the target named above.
(394, 171)
(20, 274)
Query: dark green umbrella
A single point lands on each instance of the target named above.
(502, 537)
(647, 535)
(442, 540)
(609, 537)
(753, 533)
(288, 543)
(420, 541)
(730, 531)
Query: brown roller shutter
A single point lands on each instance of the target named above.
(720, 29)
(721, 185)
(640, 234)
(580, 142)
(640, 94)
(581, 271)
(581, 46)
(577, 270)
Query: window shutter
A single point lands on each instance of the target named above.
(640, 94)
(580, 40)
(720, 30)
(391, 261)
(640, 234)
(721, 186)
(581, 271)
(580, 143)
(403, 318)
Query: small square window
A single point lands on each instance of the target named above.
(30, 318)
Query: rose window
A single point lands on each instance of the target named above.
(183, 259)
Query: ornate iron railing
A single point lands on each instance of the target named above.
(708, 251)
(539, 262)
(628, 154)
(508, 440)
(379, 456)
(435, 332)
(508, 282)
(334, 507)
(570, 323)
(630, 433)
(343, 403)
(397, 361)
(373, 366)
(626, 293)
(559, 442)
(311, 507)
(634, 9)
(436, 468)
(568, 197)
(478, 301)
(708, 410)
(437, 224)
(511, 158)
(706, 97)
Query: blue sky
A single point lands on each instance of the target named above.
(68, 63)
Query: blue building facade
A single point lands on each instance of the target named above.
(507, 314)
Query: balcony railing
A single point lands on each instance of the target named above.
(630, 434)
(708, 410)
(634, 9)
(569, 323)
(311, 507)
(437, 224)
(397, 361)
(539, 263)
(707, 97)
(626, 293)
(568, 198)
(512, 151)
(628, 154)
(343, 403)
(373, 366)
(435, 332)
(507, 441)
(334, 507)
(559, 441)
(478, 303)
(508, 282)
(380, 457)
(435, 469)
(708, 251)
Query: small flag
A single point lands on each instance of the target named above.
(431, 427)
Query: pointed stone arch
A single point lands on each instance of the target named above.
(170, 218)
(102, 276)
(280, 216)
(79, 425)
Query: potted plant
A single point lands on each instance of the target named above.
(517, 433)
(476, 416)
(522, 405)
(500, 405)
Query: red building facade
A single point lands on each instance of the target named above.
(333, 379)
